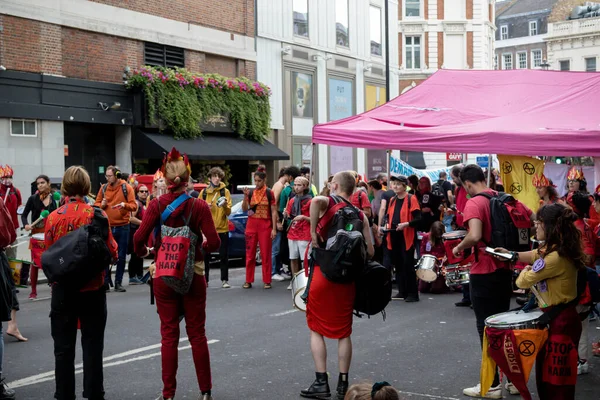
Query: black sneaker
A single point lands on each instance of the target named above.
(463, 303)
(5, 392)
(119, 288)
(411, 299)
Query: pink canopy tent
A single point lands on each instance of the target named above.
(519, 112)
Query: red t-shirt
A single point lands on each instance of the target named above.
(300, 230)
(427, 247)
(12, 200)
(478, 207)
(360, 200)
(461, 203)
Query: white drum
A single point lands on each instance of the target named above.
(299, 283)
(427, 268)
(38, 236)
(515, 320)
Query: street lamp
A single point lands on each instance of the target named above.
(545, 65)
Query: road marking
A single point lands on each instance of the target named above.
(49, 376)
(283, 313)
(431, 396)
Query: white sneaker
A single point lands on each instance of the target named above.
(511, 388)
(493, 393)
(225, 285)
(277, 278)
(289, 286)
(583, 368)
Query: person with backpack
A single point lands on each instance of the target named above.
(330, 303)
(402, 218)
(555, 270)
(430, 203)
(117, 198)
(490, 278)
(219, 200)
(297, 223)
(261, 228)
(457, 207)
(180, 217)
(85, 303)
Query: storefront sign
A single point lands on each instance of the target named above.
(216, 123)
(454, 157)
(376, 163)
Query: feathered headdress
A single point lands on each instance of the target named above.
(6, 171)
(597, 191)
(576, 174)
(541, 181)
(172, 156)
(157, 175)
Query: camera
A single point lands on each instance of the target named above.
(221, 201)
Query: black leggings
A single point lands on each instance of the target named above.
(490, 294)
(403, 260)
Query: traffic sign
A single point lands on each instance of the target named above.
(483, 162)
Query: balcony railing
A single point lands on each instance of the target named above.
(574, 27)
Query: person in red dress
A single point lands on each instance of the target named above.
(576, 182)
(330, 305)
(70, 307)
(297, 213)
(261, 227)
(170, 304)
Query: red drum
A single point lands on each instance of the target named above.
(451, 240)
(37, 246)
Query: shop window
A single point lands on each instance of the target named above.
(23, 127)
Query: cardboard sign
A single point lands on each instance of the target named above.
(172, 256)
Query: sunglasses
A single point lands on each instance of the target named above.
(143, 191)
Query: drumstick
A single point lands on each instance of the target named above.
(537, 295)
(43, 215)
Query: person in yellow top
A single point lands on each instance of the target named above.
(219, 200)
(553, 279)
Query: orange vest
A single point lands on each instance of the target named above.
(405, 216)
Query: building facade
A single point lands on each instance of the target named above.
(522, 28)
(450, 34)
(325, 60)
(62, 94)
(574, 36)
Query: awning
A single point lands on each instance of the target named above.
(209, 147)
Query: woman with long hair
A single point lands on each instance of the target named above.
(171, 304)
(554, 271)
(261, 227)
(70, 306)
(37, 203)
(432, 244)
(545, 189)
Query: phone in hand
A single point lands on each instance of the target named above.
(117, 206)
(491, 251)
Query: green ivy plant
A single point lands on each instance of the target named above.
(179, 101)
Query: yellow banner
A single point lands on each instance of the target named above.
(517, 178)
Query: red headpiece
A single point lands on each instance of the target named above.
(541, 181)
(172, 156)
(6, 171)
(157, 175)
(576, 174)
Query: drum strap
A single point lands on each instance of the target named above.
(311, 268)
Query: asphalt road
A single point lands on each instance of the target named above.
(259, 348)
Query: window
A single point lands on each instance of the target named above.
(300, 8)
(496, 61)
(341, 23)
(375, 27)
(565, 65)
(413, 8)
(507, 61)
(536, 57)
(23, 127)
(413, 52)
(522, 60)
(159, 55)
(590, 64)
(504, 32)
(533, 28)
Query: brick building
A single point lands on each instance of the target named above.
(434, 34)
(62, 98)
(522, 28)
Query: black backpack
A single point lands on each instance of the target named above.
(343, 255)
(269, 198)
(123, 189)
(510, 222)
(78, 257)
(373, 290)
(438, 190)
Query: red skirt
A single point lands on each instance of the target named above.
(329, 308)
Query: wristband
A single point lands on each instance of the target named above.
(515, 256)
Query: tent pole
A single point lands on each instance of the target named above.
(489, 177)
(312, 166)
(388, 158)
